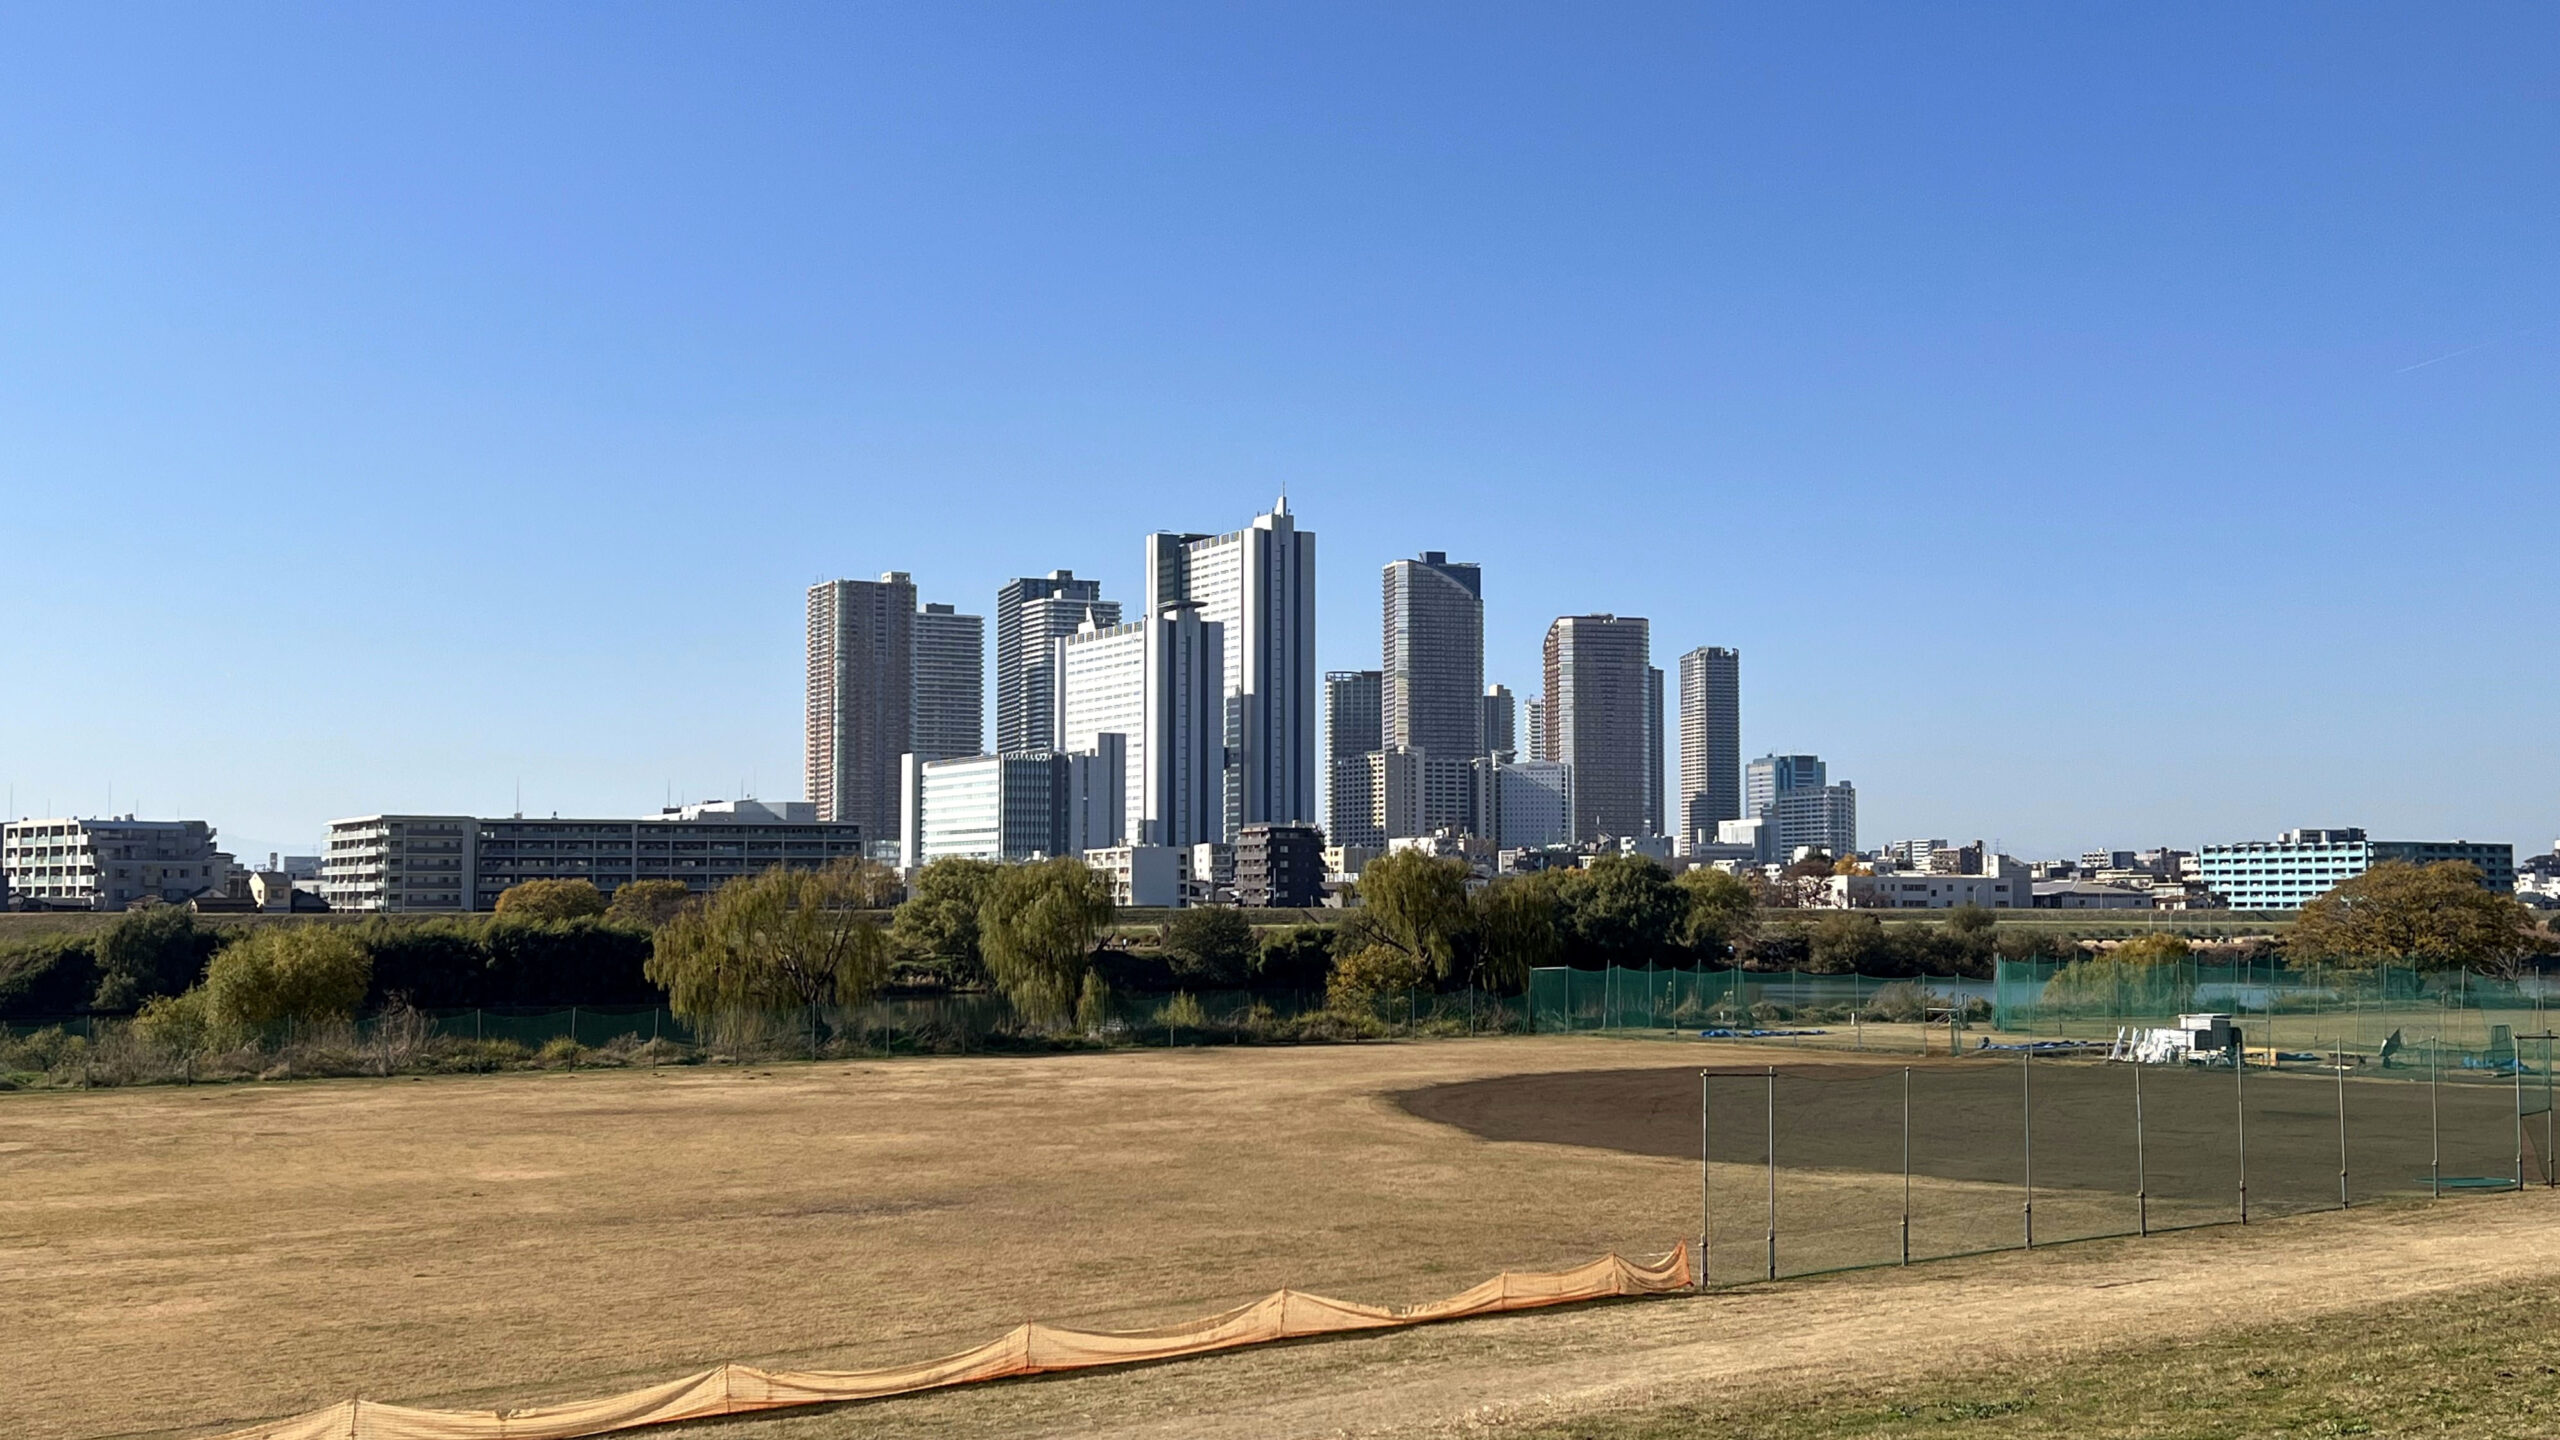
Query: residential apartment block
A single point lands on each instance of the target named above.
(1603, 717)
(2299, 866)
(950, 696)
(1710, 741)
(1353, 707)
(71, 864)
(455, 863)
(1432, 645)
(861, 698)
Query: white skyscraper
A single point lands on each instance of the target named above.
(1258, 586)
(1155, 682)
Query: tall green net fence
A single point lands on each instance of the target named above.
(1820, 1166)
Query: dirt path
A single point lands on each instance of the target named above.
(1793, 1337)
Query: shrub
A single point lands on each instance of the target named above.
(551, 900)
(46, 976)
(438, 963)
(1362, 976)
(1093, 1005)
(566, 962)
(178, 1024)
(149, 953)
(1299, 956)
(1182, 1012)
(302, 974)
(647, 904)
(1212, 944)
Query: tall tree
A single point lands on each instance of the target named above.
(785, 938)
(1724, 911)
(1514, 931)
(937, 927)
(1038, 927)
(2433, 917)
(1414, 905)
(1622, 910)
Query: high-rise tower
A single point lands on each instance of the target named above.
(950, 684)
(1432, 642)
(1501, 723)
(1031, 614)
(1710, 740)
(1351, 729)
(1604, 718)
(1258, 586)
(861, 699)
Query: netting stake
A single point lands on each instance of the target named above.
(2518, 1059)
(1906, 1164)
(1773, 1172)
(2435, 1132)
(2027, 1124)
(2141, 1173)
(1706, 1090)
(2339, 1056)
(2240, 1115)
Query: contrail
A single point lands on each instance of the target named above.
(2465, 350)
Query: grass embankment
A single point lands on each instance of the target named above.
(2483, 1364)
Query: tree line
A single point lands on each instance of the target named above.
(1042, 935)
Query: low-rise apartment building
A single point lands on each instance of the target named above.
(2299, 866)
(71, 864)
(455, 863)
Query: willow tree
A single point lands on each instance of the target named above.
(785, 939)
(1037, 928)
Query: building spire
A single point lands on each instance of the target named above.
(1283, 507)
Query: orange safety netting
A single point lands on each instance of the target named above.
(1027, 1350)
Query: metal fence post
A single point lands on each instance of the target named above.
(2027, 1124)
(2519, 1078)
(1906, 1164)
(2340, 1058)
(2435, 1130)
(1773, 1172)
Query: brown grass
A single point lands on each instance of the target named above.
(174, 1260)
(178, 1258)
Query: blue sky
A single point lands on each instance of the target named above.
(2097, 424)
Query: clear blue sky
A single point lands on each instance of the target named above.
(2095, 424)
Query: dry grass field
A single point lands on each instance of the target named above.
(177, 1260)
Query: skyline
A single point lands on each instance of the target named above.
(2123, 436)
